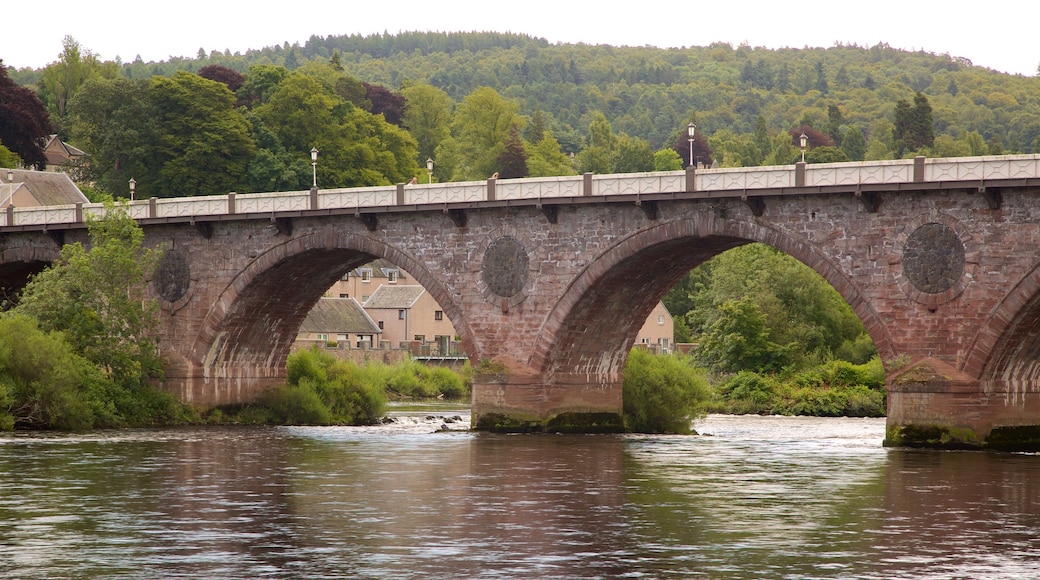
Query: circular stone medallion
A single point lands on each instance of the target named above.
(933, 258)
(505, 267)
(172, 276)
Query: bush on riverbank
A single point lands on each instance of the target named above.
(834, 389)
(323, 390)
(662, 393)
(46, 384)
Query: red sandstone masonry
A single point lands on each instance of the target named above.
(592, 276)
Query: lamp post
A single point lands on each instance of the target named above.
(691, 130)
(803, 141)
(314, 165)
(133, 188)
(429, 169)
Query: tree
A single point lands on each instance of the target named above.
(222, 74)
(512, 161)
(24, 121)
(97, 299)
(480, 127)
(116, 121)
(756, 308)
(853, 144)
(661, 394)
(357, 147)
(825, 155)
(385, 102)
(261, 82)
(914, 126)
(61, 80)
(204, 142)
(667, 160)
(545, 159)
(738, 339)
(427, 116)
(44, 383)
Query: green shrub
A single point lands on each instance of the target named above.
(863, 401)
(297, 404)
(750, 387)
(661, 394)
(446, 382)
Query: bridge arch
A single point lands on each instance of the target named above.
(20, 263)
(603, 308)
(1007, 347)
(246, 335)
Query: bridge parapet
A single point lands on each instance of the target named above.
(727, 182)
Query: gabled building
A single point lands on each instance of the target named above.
(409, 314)
(60, 154)
(338, 320)
(361, 282)
(26, 188)
(658, 332)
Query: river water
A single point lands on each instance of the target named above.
(752, 497)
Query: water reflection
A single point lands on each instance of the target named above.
(757, 497)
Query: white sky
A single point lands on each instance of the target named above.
(999, 36)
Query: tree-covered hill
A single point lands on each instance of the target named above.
(651, 93)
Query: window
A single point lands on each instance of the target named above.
(660, 319)
(380, 325)
(420, 338)
(364, 298)
(391, 276)
(324, 337)
(400, 314)
(344, 295)
(366, 274)
(438, 315)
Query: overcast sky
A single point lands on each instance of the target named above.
(999, 36)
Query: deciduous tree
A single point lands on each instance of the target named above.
(204, 142)
(97, 298)
(24, 121)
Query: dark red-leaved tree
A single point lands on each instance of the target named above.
(387, 102)
(702, 152)
(24, 122)
(812, 136)
(222, 74)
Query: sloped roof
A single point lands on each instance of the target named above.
(48, 187)
(339, 316)
(379, 268)
(57, 151)
(395, 297)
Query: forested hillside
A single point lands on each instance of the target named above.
(741, 98)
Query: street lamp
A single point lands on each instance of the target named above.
(803, 141)
(314, 165)
(429, 169)
(691, 130)
(133, 188)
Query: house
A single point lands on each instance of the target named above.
(408, 316)
(407, 313)
(658, 331)
(60, 154)
(339, 320)
(27, 188)
(361, 282)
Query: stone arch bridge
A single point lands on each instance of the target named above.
(548, 280)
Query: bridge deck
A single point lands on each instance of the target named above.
(981, 173)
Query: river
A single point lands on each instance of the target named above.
(751, 497)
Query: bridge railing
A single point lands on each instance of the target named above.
(727, 181)
(540, 187)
